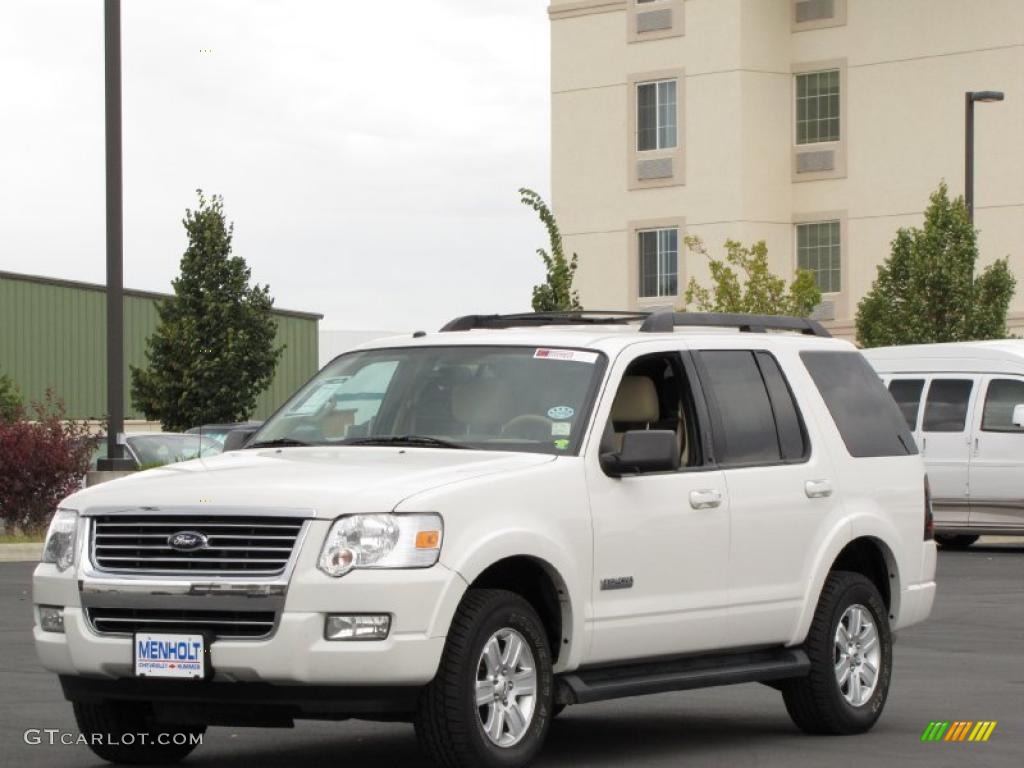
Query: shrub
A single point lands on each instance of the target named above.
(41, 462)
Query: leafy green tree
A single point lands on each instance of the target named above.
(10, 399)
(742, 282)
(556, 293)
(927, 290)
(213, 351)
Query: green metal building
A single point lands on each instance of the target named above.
(52, 335)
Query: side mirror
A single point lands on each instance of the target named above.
(237, 438)
(643, 450)
(1018, 415)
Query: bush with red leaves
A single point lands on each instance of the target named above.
(41, 462)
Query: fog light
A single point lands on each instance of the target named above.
(51, 618)
(357, 627)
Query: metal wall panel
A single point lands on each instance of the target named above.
(52, 335)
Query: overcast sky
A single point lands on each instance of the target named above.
(368, 153)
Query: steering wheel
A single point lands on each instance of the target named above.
(528, 426)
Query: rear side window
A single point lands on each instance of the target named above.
(758, 420)
(867, 417)
(946, 407)
(907, 394)
(1003, 395)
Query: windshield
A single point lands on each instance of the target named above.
(491, 398)
(157, 450)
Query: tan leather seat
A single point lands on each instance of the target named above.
(482, 405)
(635, 403)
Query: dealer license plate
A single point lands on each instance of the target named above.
(159, 654)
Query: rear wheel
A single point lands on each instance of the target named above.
(850, 648)
(491, 702)
(954, 541)
(125, 732)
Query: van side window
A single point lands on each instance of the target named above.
(1002, 396)
(907, 394)
(748, 413)
(863, 411)
(946, 407)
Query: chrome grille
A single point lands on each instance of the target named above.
(235, 544)
(219, 623)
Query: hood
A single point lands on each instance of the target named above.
(332, 481)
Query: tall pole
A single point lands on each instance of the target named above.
(969, 155)
(115, 228)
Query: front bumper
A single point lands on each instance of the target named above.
(421, 603)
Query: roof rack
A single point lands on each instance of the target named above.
(650, 322)
(526, 319)
(666, 322)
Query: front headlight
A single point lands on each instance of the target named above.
(59, 548)
(381, 541)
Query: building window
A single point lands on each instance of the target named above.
(818, 251)
(656, 115)
(659, 262)
(817, 107)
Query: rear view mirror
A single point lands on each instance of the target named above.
(1018, 415)
(237, 438)
(643, 450)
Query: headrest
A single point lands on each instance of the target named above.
(481, 401)
(636, 401)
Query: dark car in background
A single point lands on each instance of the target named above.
(219, 432)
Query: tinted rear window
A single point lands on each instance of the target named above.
(748, 429)
(867, 417)
(907, 394)
(946, 408)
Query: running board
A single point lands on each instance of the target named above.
(639, 679)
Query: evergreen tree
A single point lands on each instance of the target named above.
(213, 352)
(556, 293)
(927, 291)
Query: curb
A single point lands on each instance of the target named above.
(20, 553)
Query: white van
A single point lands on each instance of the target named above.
(970, 430)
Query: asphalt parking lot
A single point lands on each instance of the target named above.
(966, 663)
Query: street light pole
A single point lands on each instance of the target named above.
(115, 227)
(969, 99)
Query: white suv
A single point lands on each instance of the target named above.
(472, 529)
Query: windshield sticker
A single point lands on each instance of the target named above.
(570, 355)
(561, 428)
(562, 444)
(561, 412)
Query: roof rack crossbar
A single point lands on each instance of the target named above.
(527, 319)
(666, 322)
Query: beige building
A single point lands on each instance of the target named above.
(819, 126)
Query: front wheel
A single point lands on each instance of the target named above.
(491, 702)
(125, 733)
(850, 648)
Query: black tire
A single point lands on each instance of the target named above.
(816, 703)
(125, 732)
(448, 721)
(955, 541)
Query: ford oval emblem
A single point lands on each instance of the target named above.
(187, 541)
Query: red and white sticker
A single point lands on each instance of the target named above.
(571, 355)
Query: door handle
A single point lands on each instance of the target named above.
(705, 499)
(818, 489)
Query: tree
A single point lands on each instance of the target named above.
(41, 462)
(213, 350)
(927, 291)
(758, 291)
(556, 293)
(10, 398)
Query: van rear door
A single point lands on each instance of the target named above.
(997, 457)
(945, 441)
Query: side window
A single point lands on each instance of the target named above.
(907, 394)
(946, 407)
(747, 432)
(863, 411)
(655, 393)
(1002, 396)
(792, 434)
